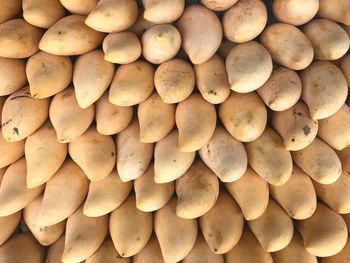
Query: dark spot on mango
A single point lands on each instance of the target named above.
(15, 129)
(306, 130)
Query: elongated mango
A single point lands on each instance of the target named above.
(151, 253)
(295, 126)
(106, 194)
(48, 74)
(133, 156)
(251, 192)
(130, 228)
(69, 120)
(44, 155)
(151, 196)
(64, 193)
(297, 196)
(14, 194)
(222, 225)
(324, 233)
(176, 235)
(169, 162)
(110, 118)
(45, 235)
(22, 115)
(156, 119)
(91, 77)
(319, 161)
(69, 36)
(267, 156)
(224, 155)
(84, 235)
(195, 119)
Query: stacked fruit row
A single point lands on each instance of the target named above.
(104, 107)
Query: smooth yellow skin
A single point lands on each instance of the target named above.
(197, 191)
(295, 126)
(44, 235)
(84, 235)
(245, 20)
(176, 235)
(156, 119)
(296, 12)
(22, 248)
(282, 90)
(196, 120)
(202, 253)
(274, 229)
(2, 102)
(132, 84)
(121, 47)
(269, 158)
(9, 9)
(324, 233)
(225, 156)
(151, 253)
(9, 224)
(14, 194)
(106, 195)
(160, 43)
(169, 162)
(319, 161)
(18, 39)
(48, 74)
(334, 130)
(345, 66)
(344, 156)
(201, 33)
(12, 75)
(212, 80)
(141, 24)
(68, 118)
(94, 153)
(297, 196)
(294, 252)
(342, 256)
(44, 155)
(163, 11)
(288, 46)
(113, 16)
(324, 89)
(335, 10)
(64, 193)
(107, 254)
(22, 115)
(42, 13)
(330, 41)
(222, 225)
(244, 116)
(69, 36)
(12, 151)
(219, 5)
(91, 77)
(248, 249)
(251, 193)
(130, 228)
(133, 156)
(110, 118)
(174, 80)
(248, 66)
(336, 195)
(151, 196)
(79, 7)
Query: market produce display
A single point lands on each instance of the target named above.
(212, 131)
